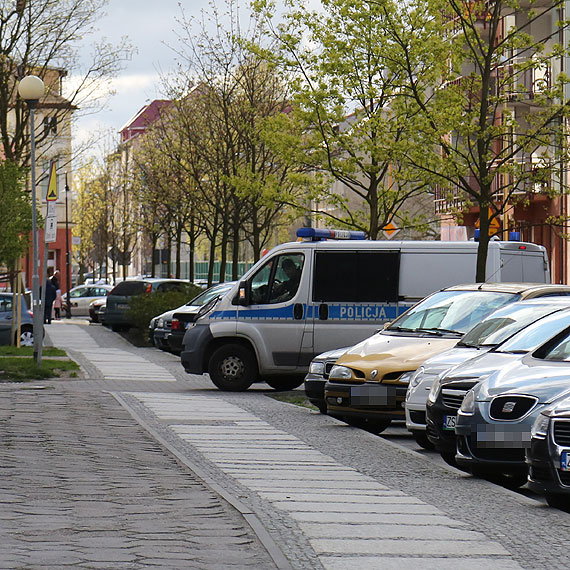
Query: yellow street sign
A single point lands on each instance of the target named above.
(390, 230)
(51, 195)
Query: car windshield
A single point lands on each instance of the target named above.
(504, 323)
(204, 297)
(537, 333)
(451, 311)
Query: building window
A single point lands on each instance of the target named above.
(50, 125)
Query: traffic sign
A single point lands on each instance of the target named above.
(51, 195)
(390, 230)
(51, 229)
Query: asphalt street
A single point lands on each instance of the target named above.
(138, 465)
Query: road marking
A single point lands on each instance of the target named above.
(349, 519)
(112, 363)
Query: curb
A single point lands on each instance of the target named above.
(249, 516)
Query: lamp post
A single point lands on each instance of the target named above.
(31, 89)
(67, 254)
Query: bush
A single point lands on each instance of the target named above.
(142, 308)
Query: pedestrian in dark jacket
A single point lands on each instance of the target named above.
(51, 294)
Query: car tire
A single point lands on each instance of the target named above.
(233, 368)
(284, 383)
(449, 458)
(422, 440)
(558, 501)
(27, 336)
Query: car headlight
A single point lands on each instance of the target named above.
(406, 377)
(540, 427)
(416, 377)
(468, 404)
(340, 373)
(160, 323)
(434, 391)
(317, 368)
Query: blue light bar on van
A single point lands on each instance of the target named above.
(315, 234)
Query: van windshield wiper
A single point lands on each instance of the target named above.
(400, 329)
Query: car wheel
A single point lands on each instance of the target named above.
(322, 407)
(26, 336)
(232, 368)
(285, 383)
(558, 501)
(422, 440)
(449, 458)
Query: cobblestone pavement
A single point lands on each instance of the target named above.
(84, 486)
(324, 494)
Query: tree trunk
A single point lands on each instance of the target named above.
(192, 240)
(178, 248)
(235, 246)
(483, 243)
(224, 253)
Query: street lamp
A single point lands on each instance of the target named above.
(67, 254)
(31, 89)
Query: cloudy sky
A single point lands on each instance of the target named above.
(150, 26)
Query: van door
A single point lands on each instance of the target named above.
(275, 319)
(354, 294)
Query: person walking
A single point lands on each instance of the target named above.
(51, 294)
(58, 299)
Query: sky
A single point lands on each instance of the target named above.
(150, 26)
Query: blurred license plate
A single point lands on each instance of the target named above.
(449, 422)
(565, 461)
(373, 395)
(122, 306)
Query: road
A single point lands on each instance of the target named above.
(315, 492)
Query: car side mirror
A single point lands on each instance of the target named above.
(243, 296)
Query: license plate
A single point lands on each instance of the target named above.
(373, 395)
(449, 422)
(122, 306)
(565, 461)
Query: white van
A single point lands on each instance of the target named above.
(306, 297)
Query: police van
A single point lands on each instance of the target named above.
(329, 290)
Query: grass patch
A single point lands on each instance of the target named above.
(296, 398)
(21, 367)
(29, 351)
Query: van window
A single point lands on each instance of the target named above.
(357, 276)
(278, 280)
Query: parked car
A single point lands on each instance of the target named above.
(95, 308)
(160, 326)
(184, 316)
(317, 377)
(548, 457)
(80, 297)
(449, 389)
(6, 317)
(117, 304)
(495, 419)
(489, 333)
(368, 384)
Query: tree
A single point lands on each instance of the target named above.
(346, 83)
(493, 116)
(42, 37)
(15, 215)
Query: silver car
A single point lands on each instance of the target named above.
(494, 422)
(6, 317)
(488, 334)
(80, 297)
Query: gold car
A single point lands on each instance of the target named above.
(367, 385)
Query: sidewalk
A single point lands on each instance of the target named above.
(322, 513)
(84, 486)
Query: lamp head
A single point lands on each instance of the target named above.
(31, 88)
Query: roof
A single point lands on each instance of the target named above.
(143, 119)
(528, 289)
